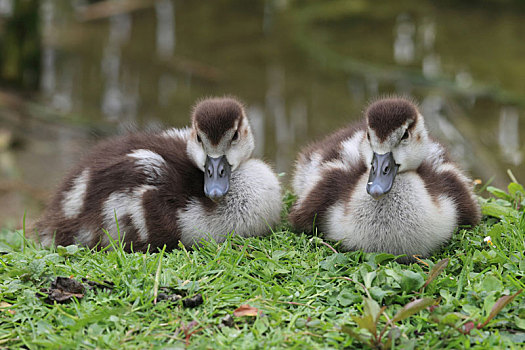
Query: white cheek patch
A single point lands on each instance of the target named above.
(196, 153)
(366, 152)
(240, 151)
(151, 163)
(74, 198)
(122, 204)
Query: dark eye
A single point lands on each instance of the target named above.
(199, 139)
(405, 135)
(235, 136)
(368, 136)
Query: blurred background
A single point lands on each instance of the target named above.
(74, 72)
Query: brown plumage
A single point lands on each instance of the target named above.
(110, 171)
(153, 183)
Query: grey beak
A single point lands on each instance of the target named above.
(382, 175)
(217, 174)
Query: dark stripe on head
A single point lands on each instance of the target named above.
(387, 115)
(215, 116)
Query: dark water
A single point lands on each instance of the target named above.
(302, 68)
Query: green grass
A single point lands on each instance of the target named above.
(308, 296)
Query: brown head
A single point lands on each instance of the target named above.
(397, 141)
(221, 139)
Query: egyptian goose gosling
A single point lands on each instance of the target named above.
(383, 185)
(180, 185)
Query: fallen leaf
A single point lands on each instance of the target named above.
(5, 307)
(246, 310)
(187, 330)
(63, 289)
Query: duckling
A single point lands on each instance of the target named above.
(383, 185)
(179, 185)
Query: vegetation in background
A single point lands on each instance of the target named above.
(20, 45)
(285, 290)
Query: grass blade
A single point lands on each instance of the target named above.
(157, 275)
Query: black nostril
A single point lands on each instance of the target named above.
(209, 172)
(386, 170)
(221, 172)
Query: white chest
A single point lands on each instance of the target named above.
(251, 207)
(405, 221)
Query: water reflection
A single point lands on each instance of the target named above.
(508, 135)
(464, 79)
(6, 7)
(302, 68)
(431, 64)
(114, 98)
(165, 28)
(47, 78)
(275, 105)
(434, 109)
(404, 45)
(166, 86)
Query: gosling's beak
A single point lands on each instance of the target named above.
(382, 175)
(217, 174)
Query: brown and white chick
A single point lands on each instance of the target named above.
(180, 185)
(383, 185)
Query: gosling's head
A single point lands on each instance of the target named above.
(221, 139)
(396, 142)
